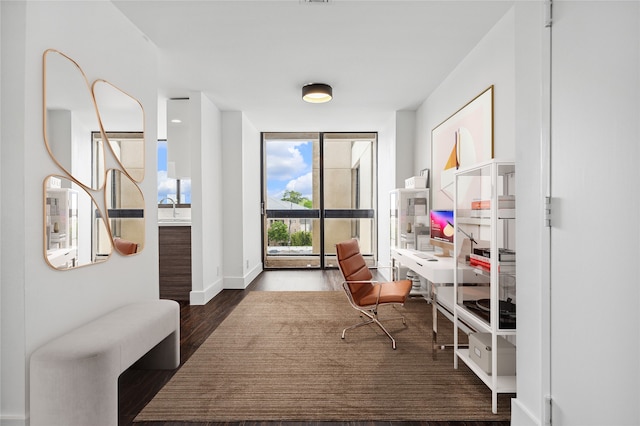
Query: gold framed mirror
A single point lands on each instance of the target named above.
(122, 121)
(69, 116)
(125, 212)
(82, 123)
(68, 210)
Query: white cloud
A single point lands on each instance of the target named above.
(284, 160)
(166, 185)
(303, 185)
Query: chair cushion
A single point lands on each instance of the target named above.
(352, 263)
(392, 292)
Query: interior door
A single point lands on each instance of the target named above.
(595, 349)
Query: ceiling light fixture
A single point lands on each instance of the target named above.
(317, 93)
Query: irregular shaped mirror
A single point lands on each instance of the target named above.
(72, 226)
(125, 212)
(69, 118)
(122, 119)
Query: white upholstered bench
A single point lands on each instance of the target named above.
(74, 378)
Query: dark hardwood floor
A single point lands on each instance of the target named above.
(137, 387)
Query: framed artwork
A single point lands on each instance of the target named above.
(462, 140)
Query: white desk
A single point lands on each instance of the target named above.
(439, 276)
(438, 271)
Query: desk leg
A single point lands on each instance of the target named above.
(434, 313)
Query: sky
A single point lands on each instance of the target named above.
(166, 186)
(289, 167)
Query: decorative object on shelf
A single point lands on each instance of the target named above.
(415, 182)
(463, 139)
(425, 174)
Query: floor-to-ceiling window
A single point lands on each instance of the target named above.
(318, 189)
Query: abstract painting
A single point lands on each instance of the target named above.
(462, 140)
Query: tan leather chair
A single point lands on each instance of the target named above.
(364, 294)
(125, 247)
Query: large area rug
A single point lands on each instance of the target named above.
(279, 357)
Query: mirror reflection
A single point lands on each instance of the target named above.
(70, 117)
(125, 212)
(122, 118)
(72, 224)
(81, 124)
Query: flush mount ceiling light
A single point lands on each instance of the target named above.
(317, 93)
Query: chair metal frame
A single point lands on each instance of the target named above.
(369, 311)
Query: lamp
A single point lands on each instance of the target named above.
(317, 93)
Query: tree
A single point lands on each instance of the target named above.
(278, 232)
(301, 238)
(292, 196)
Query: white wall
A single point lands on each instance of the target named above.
(38, 302)
(531, 141)
(232, 199)
(241, 195)
(490, 62)
(406, 163)
(1, 206)
(508, 57)
(595, 279)
(206, 206)
(13, 371)
(251, 216)
(386, 166)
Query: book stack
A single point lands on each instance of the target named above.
(506, 207)
(481, 258)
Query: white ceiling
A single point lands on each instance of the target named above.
(254, 56)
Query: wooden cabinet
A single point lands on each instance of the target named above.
(175, 262)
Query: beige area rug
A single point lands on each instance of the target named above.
(279, 356)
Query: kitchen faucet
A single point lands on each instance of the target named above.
(173, 202)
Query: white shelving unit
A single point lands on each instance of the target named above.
(409, 218)
(410, 225)
(484, 217)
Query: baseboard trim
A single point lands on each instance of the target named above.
(240, 283)
(6, 420)
(201, 297)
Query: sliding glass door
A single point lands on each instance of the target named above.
(318, 189)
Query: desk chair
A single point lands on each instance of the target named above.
(364, 294)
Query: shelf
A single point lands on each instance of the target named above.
(484, 212)
(473, 220)
(472, 319)
(409, 218)
(504, 384)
